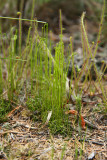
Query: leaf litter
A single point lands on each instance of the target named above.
(21, 138)
(31, 140)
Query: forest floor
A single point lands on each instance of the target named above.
(23, 139)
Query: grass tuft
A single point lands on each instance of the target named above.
(33, 72)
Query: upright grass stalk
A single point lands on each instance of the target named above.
(1, 79)
(63, 152)
(32, 14)
(20, 33)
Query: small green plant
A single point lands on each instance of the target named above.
(5, 107)
(35, 73)
(78, 108)
(63, 152)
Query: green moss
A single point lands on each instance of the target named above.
(5, 108)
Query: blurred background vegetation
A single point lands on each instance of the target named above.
(48, 10)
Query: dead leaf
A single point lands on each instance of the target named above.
(48, 117)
